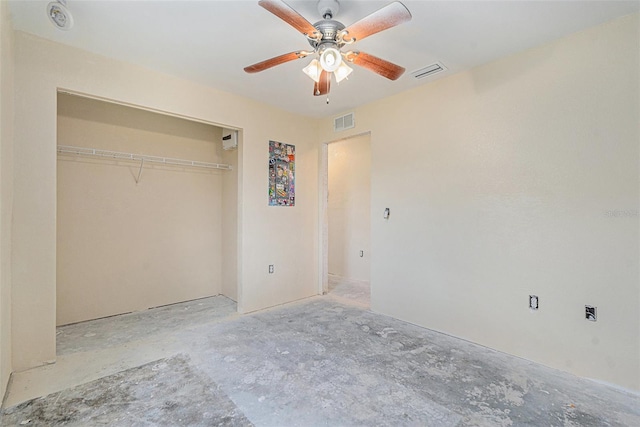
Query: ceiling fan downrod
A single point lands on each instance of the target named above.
(328, 8)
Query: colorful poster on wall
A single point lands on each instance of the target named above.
(282, 167)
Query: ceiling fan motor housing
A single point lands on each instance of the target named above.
(329, 29)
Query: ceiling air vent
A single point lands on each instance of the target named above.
(429, 71)
(344, 122)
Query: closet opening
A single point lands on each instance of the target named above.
(146, 210)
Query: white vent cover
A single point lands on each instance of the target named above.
(429, 71)
(344, 122)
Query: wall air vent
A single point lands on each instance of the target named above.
(429, 71)
(344, 122)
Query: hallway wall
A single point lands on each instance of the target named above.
(349, 208)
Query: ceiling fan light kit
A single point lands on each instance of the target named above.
(327, 37)
(330, 59)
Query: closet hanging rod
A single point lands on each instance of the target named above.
(84, 151)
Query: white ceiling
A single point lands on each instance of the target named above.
(212, 41)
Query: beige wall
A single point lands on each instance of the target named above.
(124, 246)
(349, 207)
(229, 284)
(43, 67)
(501, 183)
(6, 191)
(508, 176)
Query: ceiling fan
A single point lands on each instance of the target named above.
(327, 37)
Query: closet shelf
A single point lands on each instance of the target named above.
(84, 151)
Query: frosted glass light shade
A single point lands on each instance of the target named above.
(313, 70)
(342, 72)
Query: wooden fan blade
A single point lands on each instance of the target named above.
(290, 16)
(389, 16)
(324, 84)
(377, 65)
(272, 62)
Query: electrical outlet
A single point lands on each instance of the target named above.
(533, 302)
(591, 313)
(271, 269)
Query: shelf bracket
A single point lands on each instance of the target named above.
(140, 171)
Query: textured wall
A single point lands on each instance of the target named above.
(6, 191)
(519, 177)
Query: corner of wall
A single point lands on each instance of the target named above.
(6, 192)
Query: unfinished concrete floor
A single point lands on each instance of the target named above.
(324, 361)
(352, 292)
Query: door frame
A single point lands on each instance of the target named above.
(323, 195)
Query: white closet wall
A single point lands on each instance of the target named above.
(124, 246)
(230, 226)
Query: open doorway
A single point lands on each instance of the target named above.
(348, 210)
